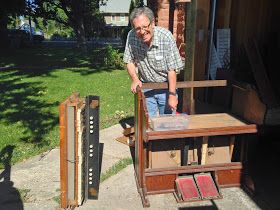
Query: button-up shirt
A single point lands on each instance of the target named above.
(153, 62)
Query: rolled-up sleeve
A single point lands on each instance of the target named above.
(173, 58)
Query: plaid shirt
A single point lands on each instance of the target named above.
(153, 62)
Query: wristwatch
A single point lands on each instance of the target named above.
(172, 93)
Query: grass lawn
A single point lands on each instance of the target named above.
(34, 81)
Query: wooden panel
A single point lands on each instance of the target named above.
(165, 154)
(155, 135)
(250, 18)
(201, 43)
(206, 125)
(159, 183)
(266, 91)
(223, 13)
(194, 169)
(229, 178)
(190, 24)
(251, 108)
(219, 150)
(67, 151)
(186, 84)
(63, 155)
(213, 121)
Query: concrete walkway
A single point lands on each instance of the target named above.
(39, 178)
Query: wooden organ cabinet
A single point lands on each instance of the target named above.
(152, 177)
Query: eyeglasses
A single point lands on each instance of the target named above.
(145, 28)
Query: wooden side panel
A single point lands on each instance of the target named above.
(229, 178)
(250, 18)
(68, 153)
(223, 13)
(63, 155)
(160, 183)
(252, 109)
(201, 43)
(139, 148)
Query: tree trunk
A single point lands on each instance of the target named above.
(78, 23)
(4, 42)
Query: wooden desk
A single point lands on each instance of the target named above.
(162, 180)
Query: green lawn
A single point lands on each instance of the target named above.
(34, 81)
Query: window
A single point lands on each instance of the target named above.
(113, 18)
(122, 18)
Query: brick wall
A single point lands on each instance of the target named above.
(171, 16)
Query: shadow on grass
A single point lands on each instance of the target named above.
(42, 61)
(9, 196)
(21, 104)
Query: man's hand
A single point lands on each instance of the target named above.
(134, 85)
(131, 69)
(173, 102)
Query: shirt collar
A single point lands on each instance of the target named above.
(155, 41)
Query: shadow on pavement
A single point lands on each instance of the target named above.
(264, 162)
(9, 196)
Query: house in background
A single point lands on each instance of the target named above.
(116, 16)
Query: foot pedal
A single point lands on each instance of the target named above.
(206, 186)
(187, 189)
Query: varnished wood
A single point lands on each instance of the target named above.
(63, 155)
(72, 100)
(201, 46)
(154, 135)
(204, 150)
(231, 145)
(228, 175)
(162, 180)
(193, 169)
(186, 84)
(229, 178)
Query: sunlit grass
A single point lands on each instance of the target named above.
(35, 83)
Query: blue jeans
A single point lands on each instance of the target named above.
(157, 102)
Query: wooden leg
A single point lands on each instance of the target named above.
(204, 149)
(231, 145)
(150, 155)
(242, 149)
(143, 194)
(195, 156)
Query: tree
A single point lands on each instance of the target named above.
(129, 27)
(139, 3)
(7, 9)
(81, 15)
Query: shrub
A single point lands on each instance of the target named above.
(113, 58)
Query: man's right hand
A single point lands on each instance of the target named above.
(134, 85)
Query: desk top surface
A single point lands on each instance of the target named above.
(207, 125)
(213, 121)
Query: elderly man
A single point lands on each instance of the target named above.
(153, 51)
